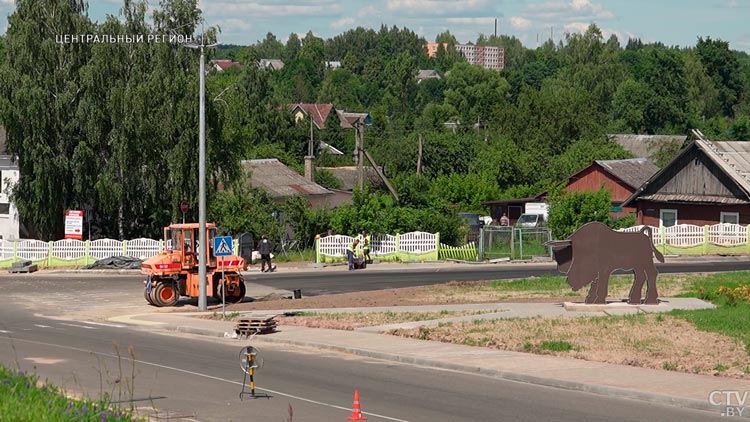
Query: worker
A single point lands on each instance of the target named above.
(264, 248)
(350, 253)
(366, 247)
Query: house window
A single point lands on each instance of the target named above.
(4, 209)
(667, 218)
(730, 217)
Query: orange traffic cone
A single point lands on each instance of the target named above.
(356, 411)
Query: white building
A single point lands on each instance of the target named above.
(9, 225)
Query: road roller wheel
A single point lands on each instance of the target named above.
(165, 294)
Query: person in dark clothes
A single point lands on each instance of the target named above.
(264, 248)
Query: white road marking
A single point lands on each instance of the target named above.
(102, 324)
(291, 396)
(78, 325)
(43, 326)
(5, 331)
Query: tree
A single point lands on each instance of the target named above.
(39, 96)
(570, 210)
(723, 68)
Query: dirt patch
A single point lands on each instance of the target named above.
(354, 320)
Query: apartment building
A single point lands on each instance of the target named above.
(486, 56)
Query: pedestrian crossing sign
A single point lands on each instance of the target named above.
(223, 246)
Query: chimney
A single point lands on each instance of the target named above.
(309, 167)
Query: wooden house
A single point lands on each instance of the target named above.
(707, 183)
(621, 177)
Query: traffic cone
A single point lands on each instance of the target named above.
(356, 410)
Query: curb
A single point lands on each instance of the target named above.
(603, 390)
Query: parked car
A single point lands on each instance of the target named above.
(475, 224)
(530, 220)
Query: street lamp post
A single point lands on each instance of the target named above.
(202, 298)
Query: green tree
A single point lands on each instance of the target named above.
(570, 210)
(723, 67)
(39, 94)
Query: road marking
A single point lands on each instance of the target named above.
(78, 325)
(43, 326)
(5, 331)
(185, 371)
(102, 324)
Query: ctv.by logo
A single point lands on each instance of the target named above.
(732, 401)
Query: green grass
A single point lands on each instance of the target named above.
(552, 346)
(703, 286)
(23, 398)
(732, 321)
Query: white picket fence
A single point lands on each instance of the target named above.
(688, 235)
(411, 243)
(74, 250)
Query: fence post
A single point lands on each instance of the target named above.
(15, 249)
(86, 251)
(520, 241)
(663, 236)
(705, 240)
(480, 249)
(317, 250)
(398, 246)
(512, 243)
(49, 254)
(747, 239)
(124, 248)
(437, 244)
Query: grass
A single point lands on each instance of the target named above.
(732, 321)
(24, 398)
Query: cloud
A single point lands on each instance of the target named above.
(575, 10)
(434, 7)
(581, 27)
(368, 10)
(518, 22)
(235, 24)
(342, 23)
(304, 9)
(736, 4)
(472, 21)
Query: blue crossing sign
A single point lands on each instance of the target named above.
(223, 246)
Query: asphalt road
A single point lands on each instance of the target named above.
(328, 282)
(200, 379)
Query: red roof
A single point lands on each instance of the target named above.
(225, 64)
(319, 112)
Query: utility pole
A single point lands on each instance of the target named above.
(202, 298)
(359, 129)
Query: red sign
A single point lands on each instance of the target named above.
(184, 206)
(74, 224)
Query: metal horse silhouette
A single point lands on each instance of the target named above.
(594, 251)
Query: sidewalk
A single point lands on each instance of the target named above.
(663, 387)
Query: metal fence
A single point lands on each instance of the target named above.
(496, 242)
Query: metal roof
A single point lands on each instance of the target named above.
(279, 180)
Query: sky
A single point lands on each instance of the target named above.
(672, 22)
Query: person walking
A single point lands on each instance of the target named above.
(366, 246)
(350, 253)
(264, 248)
